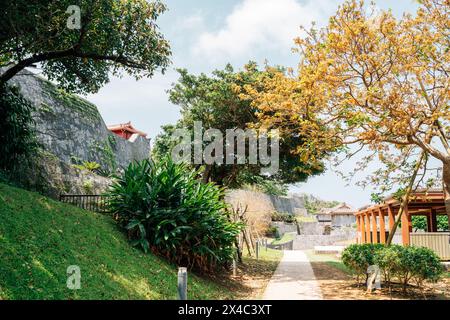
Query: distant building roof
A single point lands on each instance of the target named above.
(126, 131)
(341, 208)
(421, 193)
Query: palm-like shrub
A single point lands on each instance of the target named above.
(167, 210)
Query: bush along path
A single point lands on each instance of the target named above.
(294, 279)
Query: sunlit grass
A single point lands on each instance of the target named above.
(330, 259)
(40, 238)
(285, 238)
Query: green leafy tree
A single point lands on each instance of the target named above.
(314, 205)
(113, 36)
(218, 101)
(420, 223)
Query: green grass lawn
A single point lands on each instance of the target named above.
(329, 259)
(40, 238)
(285, 238)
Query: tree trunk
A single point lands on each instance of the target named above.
(446, 182)
(405, 199)
(206, 174)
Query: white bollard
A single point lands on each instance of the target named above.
(182, 283)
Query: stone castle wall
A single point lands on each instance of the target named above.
(265, 203)
(71, 130)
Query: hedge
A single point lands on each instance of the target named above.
(406, 264)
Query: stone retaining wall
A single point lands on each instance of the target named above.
(71, 128)
(304, 241)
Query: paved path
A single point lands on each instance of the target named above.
(293, 280)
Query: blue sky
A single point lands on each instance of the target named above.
(204, 36)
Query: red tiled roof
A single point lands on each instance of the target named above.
(126, 127)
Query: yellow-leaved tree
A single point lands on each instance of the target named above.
(372, 80)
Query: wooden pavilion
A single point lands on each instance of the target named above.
(375, 222)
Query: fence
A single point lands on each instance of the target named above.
(436, 241)
(91, 202)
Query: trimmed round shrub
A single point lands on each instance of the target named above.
(405, 264)
(418, 264)
(358, 257)
(167, 210)
(389, 262)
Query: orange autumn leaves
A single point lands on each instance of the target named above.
(366, 78)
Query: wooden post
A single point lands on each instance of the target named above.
(391, 218)
(358, 228)
(429, 221)
(374, 227)
(234, 268)
(406, 226)
(257, 249)
(182, 283)
(382, 227)
(363, 228)
(368, 238)
(434, 220)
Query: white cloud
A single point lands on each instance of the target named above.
(144, 102)
(193, 22)
(261, 25)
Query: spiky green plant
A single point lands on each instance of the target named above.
(167, 210)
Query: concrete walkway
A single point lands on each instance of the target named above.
(293, 280)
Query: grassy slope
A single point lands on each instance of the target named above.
(40, 238)
(285, 238)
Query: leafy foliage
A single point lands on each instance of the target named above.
(18, 140)
(218, 101)
(114, 36)
(358, 257)
(373, 83)
(314, 205)
(420, 223)
(257, 183)
(283, 217)
(168, 211)
(90, 166)
(405, 263)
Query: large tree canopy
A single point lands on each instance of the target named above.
(372, 81)
(114, 35)
(218, 102)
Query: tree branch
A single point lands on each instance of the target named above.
(72, 52)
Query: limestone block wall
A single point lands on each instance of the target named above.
(343, 220)
(261, 202)
(308, 241)
(284, 227)
(311, 228)
(71, 128)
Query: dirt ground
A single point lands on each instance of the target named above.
(338, 285)
(252, 276)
